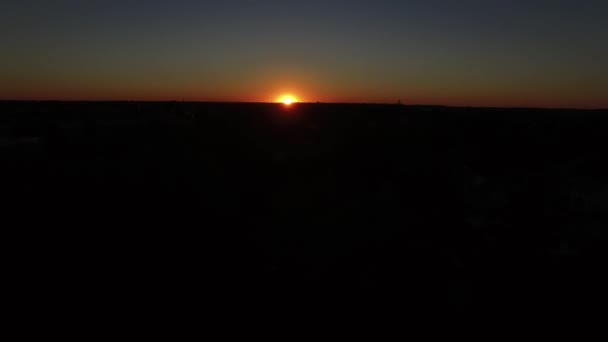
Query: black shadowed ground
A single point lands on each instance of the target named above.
(378, 205)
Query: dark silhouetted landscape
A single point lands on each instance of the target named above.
(426, 208)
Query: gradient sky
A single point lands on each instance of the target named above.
(551, 53)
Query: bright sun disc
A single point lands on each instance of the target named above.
(287, 99)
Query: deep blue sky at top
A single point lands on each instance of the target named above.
(492, 52)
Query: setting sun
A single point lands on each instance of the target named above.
(287, 99)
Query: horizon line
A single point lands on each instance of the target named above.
(310, 102)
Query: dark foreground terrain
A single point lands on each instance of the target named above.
(326, 206)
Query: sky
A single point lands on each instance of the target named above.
(512, 53)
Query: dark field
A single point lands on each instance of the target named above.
(424, 208)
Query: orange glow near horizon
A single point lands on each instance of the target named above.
(288, 97)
